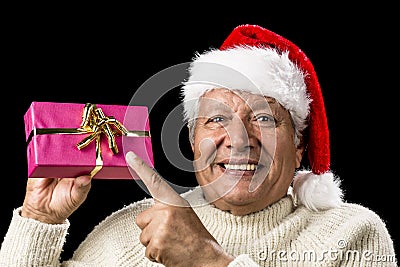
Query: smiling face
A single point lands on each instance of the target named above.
(244, 151)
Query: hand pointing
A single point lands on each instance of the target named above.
(159, 189)
(171, 231)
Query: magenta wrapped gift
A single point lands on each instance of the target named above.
(70, 139)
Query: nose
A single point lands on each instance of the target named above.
(238, 135)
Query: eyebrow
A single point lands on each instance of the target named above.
(215, 104)
(262, 104)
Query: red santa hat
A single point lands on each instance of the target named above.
(257, 60)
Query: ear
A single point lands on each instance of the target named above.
(300, 150)
(190, 139)
(299, 154)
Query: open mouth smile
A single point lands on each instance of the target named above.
(239, 167)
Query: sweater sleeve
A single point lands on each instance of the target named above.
(29, 242)
(371, 243)
(243, 260)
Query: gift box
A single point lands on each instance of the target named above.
(72, 139)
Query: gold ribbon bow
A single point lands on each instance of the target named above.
(94, 123)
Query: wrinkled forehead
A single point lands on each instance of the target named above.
(227, 99)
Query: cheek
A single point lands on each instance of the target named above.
(285, 149)
(205, 143)
(268, 140)
(204, 153)
(204, 147)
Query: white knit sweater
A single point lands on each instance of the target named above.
(280, 235)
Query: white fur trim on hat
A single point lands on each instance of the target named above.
(256, 70)
(317, 192)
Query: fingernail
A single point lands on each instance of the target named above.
(130, 157)
(84, 180)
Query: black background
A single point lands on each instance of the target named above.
(102, 54)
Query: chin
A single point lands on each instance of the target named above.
(235, 189)
(241, 195)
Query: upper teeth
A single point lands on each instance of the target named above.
(244, 167)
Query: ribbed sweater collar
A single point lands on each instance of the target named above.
(268, 218)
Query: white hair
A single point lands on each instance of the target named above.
(257, 70)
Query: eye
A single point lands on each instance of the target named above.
(216, 119)
(265, 120)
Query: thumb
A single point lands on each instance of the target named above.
(159, 189)
(81, 188)
(83, 181)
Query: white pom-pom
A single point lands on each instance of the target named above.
(317, 192)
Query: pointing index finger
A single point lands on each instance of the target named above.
(159, 189)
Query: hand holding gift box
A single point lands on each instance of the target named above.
(71, 139)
